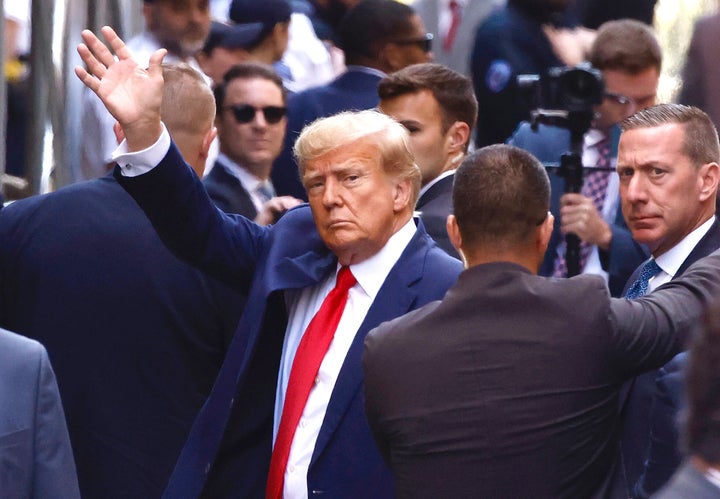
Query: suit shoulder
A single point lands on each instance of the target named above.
(395, 329)
(16, 349)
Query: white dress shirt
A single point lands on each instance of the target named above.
(250, 182)
(672, 259)
(302, 305)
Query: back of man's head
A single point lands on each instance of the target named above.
(367, 26)
(700, 142)
(703, 391)
(626, 45)
(453, 91)
(188, 111)
(501, 195)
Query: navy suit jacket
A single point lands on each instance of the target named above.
(639, 392)
(227, 192)
(229, 448)
(663, 456)
(36, 460)
(136, 336)
(355, 89)
(624, 255)
(434, 206)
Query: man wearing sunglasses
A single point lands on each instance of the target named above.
(250, 119)
(629, 57)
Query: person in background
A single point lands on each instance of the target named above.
(629, 57)
(181, 27)
(250, 120)
(454, 23)
(438, 107)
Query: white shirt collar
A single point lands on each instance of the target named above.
(371, 273)
(672, 259)
(434, 181)
(249, 181)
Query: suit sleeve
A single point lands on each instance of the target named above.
(54, 475)
(176, 202)
(649, 331)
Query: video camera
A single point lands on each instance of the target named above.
(562, 92)
(566, 97)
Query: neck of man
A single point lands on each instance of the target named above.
(524, 257)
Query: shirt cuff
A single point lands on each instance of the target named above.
(136, 163)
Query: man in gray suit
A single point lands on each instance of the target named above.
(454, 22)
(512, 371)
(36, 460)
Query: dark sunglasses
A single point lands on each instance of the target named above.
(245, 113)
(425, 43)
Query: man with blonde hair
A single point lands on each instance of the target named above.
(286, 414)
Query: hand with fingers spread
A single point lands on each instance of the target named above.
(579, 216)
(132, 94)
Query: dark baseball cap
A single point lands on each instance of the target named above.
(231, 35)
(267, 12)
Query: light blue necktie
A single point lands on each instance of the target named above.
(649, 270)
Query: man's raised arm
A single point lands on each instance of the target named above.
(132, 94)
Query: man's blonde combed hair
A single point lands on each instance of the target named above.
(327, 134)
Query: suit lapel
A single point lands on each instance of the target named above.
(709, 243)
(396, 297)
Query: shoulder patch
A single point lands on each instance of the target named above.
(498, 75)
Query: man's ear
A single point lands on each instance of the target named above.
(710, 177)
(207, 142)
(457, 138)
(544, 232)
(403, 194)
(119, 134)
(454, 232)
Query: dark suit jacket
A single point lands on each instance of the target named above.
(663, 456)
(434, 206)
(624, 255)
(636, 411)
(36, 460)
(227, 192)
(493, 393)
(228, 451)
(136, 336)
(353, 90)
(507, 44)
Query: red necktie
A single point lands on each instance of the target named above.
(449, 40)
(310, 353)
